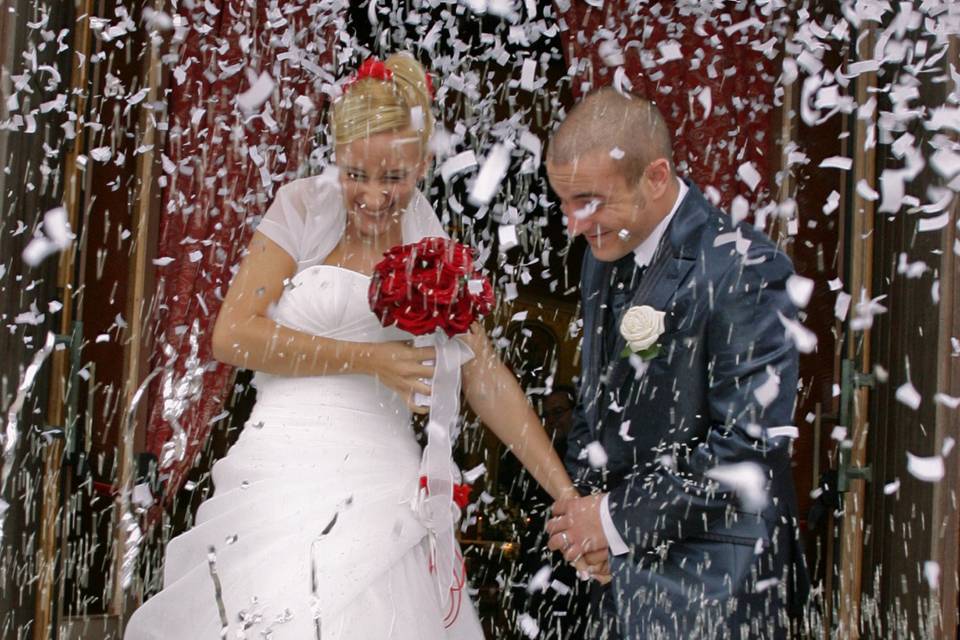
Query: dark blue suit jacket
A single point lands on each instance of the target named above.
(691, 541)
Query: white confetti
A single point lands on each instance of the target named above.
(560, 588)
(931, 572)
(611, 53)
(948, 444)
(950, 402)
(842, 306)
(101, 154)
(528, 625)
(769, 583)
(705, 98)
(837, 162)
(748, 173)
(908, 395)
(457, 164)
(946, 163)
(893, 190)
(933, 224)
(528, 75)
(865, 191)
(57, 237)
(804, 339)
(891, 487)
(474, 474)
(507, 233)
(927, 469)
(767, 392)
(251, 99)
(596, 455)
(746, 479)
(799, 289)
(669, 50)
(832, 203)
(306, 104)
(491, 174)
(540, 581)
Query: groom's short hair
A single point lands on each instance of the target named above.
(606, 120)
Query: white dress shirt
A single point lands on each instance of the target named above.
(643, 255)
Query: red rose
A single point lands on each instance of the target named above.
(424, 286)
(461, 495)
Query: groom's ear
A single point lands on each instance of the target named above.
(658, 175)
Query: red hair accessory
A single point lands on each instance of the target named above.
(371, 68)
(374, 68)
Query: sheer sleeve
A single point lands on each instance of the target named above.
(307, 218)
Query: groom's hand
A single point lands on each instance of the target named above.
(575, 528)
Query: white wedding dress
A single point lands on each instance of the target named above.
(314, 449)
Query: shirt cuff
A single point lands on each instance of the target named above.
(617, 546)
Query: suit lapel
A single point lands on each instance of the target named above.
(594, 358)
(674, 259)
(655, 293)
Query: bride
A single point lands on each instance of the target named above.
(313, 529)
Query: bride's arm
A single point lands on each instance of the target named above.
(244, 336)
(495, 396)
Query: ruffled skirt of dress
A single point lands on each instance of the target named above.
(301, 461)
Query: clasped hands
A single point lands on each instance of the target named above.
(577, 531)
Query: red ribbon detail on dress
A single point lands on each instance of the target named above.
(456, 594)
(461, 496)
(461, 492)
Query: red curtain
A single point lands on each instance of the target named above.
(685, 59)
(227, 151)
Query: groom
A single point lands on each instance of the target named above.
(681, 437)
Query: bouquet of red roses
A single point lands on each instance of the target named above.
(429, 285)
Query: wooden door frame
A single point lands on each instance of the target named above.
(860, 265)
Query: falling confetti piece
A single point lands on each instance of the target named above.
(837, 162)
(908, 395)
(746, 479)
(799, 289)
(930, 469)
(259, 92)
(596, 455)
(491, 174)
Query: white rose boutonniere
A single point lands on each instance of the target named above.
(641, 327)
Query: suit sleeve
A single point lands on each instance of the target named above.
(752, 379)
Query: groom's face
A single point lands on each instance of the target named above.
(600, 204)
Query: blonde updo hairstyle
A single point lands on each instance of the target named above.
(371, 105)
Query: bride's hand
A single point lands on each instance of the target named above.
(401, 367)
(476, 339)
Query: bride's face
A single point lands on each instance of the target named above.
(378, 176)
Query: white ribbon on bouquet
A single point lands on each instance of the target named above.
(435, 505)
